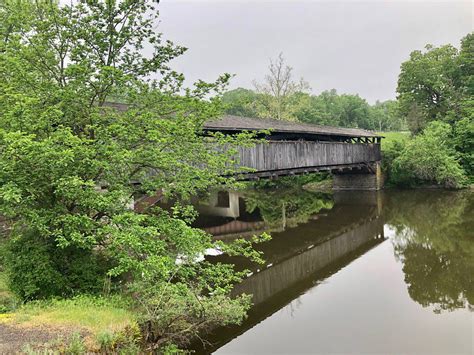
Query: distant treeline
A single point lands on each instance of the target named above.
(327, 108)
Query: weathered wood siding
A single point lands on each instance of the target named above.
(278, 155)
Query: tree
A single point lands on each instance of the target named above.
(70, 164)
(277, 89)
(464, 143)
(332, 109)
(465, 65)
(241, 102)
(321, 109)
(386, 116)
(436, 83)
(355, 112)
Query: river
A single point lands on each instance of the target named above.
(350, 272)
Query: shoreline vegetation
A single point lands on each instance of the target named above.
(80, 270)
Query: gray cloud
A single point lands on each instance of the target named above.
(353, 46)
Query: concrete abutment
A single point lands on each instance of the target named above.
(365, 179)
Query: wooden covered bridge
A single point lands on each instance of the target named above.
(353, 155)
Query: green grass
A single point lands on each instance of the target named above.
(95, 314)
(101, 323)
(390, 137)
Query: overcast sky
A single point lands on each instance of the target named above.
(352, 46)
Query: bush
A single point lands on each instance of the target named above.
(464, 143)
(390, 152)
(125, 341)
(428, 158)
(37, 269)
(173, 313)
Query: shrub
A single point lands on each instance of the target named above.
(175, 314)
(429, 158)
(464, 143)
(391, 152)
(125, 341)
(37, 269)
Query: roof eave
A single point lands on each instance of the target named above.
(215, 128)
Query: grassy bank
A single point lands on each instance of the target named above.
(85, 323)
(390, 137)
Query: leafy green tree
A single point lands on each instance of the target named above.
(465, 65)
(464, 125)
(321, 109)
(330, 108)
(355, 112)
(70, 163)
(327, 108)
(436, 83)
(426, 80)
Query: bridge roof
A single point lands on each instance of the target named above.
(237, 123)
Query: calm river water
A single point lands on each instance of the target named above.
(387, 272)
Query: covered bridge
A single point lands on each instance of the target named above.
(352, 154)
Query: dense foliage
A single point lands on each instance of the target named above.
(436, 95)
(437, 84)
(417, 162)
(70, 164)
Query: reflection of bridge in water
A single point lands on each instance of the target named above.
(300, 257)
(282, 274)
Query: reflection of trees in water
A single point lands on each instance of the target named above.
(435, 241)
(286, 207)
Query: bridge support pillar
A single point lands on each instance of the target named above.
(364, 179)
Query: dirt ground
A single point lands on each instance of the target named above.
(14, 339)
